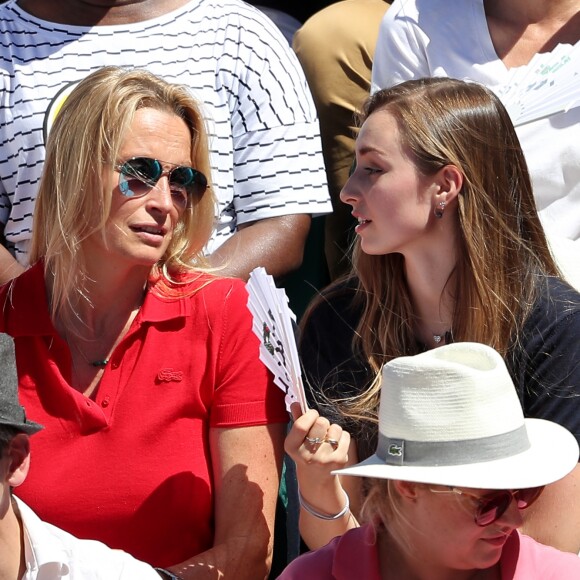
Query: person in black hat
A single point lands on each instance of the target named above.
(29, 547)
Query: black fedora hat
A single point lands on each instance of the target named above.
(11, 411)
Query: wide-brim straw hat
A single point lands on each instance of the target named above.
(451, 416)
(12, 413)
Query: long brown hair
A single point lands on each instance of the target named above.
(501, 244)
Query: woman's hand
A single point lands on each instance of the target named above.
(319, 447)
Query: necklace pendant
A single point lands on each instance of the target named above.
(100, 363)
(437, 338)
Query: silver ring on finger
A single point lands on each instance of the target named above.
(332, 442)
(314, 440)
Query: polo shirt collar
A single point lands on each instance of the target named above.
(45, 556)
(158, 309)
(362, 542)
(357, 555)
(26, 309)
(27, 297)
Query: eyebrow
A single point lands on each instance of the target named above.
(368, 149)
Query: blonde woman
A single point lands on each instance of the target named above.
(163, 435)
(455, 471)
(449, 248)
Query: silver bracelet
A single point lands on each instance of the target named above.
(317, 514)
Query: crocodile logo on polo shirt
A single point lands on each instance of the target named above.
(169, 375)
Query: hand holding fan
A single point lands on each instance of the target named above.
(273, 325)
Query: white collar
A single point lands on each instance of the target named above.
(44, 554)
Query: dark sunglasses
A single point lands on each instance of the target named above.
(140, 174)
(491, 506)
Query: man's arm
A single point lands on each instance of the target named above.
(275, 243)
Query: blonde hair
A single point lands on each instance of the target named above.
(382, 507)
(501, 244)
(74, 198)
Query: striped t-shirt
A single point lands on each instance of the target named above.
(264, 139)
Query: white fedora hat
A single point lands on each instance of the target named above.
(451, 416)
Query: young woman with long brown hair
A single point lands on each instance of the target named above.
(449, 248)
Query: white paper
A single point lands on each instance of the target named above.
(273, 325)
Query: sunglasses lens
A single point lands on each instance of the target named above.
(138, 175)
(526, 497)
(193, 182)
(492, 507)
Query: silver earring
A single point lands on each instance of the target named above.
(439, 209)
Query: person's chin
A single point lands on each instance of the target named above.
(372, 249)
(489, 552)
(146, 257)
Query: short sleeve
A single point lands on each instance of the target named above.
(278, 163)
(245, 394)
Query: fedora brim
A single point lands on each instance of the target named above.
(553, 453)
(29, 427)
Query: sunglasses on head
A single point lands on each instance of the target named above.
(491, 506)
(140, 174)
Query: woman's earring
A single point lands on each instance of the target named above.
(439, 209)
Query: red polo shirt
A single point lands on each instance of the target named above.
(132, 467)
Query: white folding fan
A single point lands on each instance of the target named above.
(548, 84)
(273, 325)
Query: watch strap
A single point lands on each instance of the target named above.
(167, 574)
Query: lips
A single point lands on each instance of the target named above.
(362, 223)
(497, 540)
(152, 229)
(360, 219)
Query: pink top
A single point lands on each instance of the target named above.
(355, 555)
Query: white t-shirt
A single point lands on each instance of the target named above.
(423, 38)
(264, 137)
(52, 553)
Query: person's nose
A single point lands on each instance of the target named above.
(512, 516)
(350, 192)
(160, 197)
